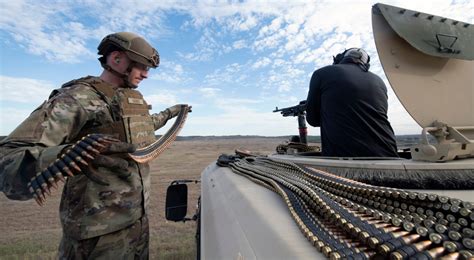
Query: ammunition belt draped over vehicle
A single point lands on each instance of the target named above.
(344, 218)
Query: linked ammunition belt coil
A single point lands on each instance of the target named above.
(343, 218)
(153, 150)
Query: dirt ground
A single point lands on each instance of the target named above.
(32, 232)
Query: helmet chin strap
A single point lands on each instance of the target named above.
(123, 76)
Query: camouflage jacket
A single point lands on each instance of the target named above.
(87, 209)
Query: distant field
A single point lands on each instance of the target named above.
(31, 232)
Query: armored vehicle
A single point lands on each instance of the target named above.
(305, 206)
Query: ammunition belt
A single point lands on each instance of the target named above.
(344, 218)
(300, 147)
(153, 150)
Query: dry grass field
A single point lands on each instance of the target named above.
(32, 232)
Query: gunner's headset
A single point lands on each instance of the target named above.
(356, 55)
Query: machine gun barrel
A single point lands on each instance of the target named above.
(294, 110)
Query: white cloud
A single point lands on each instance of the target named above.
(159, 101)
(207, 47)
(239, 44)
(230, 73)
(284, 77)
(294, 26)
(10, 118)
(52, 29)
(261, 63)
(235, 104)
(209, 92)
(240, 23)
(18, 98)
(37, 28)
(402, 122)
(24, 90)
(288, 40)
(170, 72)
(284, 86)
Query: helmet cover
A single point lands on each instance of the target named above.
(135, 47)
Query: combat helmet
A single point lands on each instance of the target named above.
(136, 48)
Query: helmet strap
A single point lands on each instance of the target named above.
(123, 76)
(129, 70)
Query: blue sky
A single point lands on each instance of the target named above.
(233, 61)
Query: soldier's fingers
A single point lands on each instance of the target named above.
(122, 173)
(116, 165)
(120, 147)
(103, 138)
(110, 162)
(94, 176)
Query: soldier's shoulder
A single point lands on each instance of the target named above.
(80, 84)
(82, 88)
(327, 68)
(79, 91)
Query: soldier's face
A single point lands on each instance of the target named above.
(138, 73)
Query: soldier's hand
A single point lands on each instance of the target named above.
(119, 148)
(73, 160)
(174, 110)
(112, 157)
(85, 156)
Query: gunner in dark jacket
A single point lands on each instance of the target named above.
(349, 103)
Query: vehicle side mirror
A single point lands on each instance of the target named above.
(176, 202)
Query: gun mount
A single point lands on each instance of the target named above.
(299, 111)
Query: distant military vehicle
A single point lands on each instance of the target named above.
(304, 206)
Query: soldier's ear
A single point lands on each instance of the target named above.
(115, 57)
(338, 58)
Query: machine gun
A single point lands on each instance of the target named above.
(299, 111)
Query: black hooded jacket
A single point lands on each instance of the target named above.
(350, 106)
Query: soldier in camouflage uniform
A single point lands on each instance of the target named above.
(105, 219)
